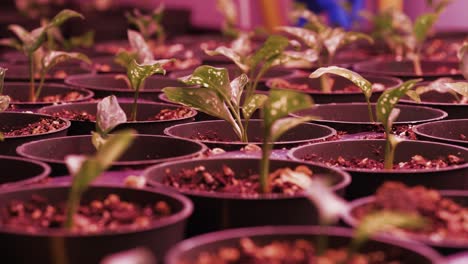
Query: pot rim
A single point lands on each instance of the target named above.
(445, 139)
(86, 94)
(332, 93)
(185, 212)
(332, 132)
(15, 66)
(350, 220)
(65, 127)
(42, 175)
(71, 81)
(365, 67)
(43, 110)
(442, 114)
(20, 151)
(341, 185)
(192, 243)
(291, 152)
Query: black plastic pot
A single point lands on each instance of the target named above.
(145, 111)
(19, 93)
(18, 171)
(338, 95)
(16, 120)
(106, 64)
(188, 250)
(445, 131)
(446, 246)
(405, 70)
(234, 72)
(443, 101)
(21, 246)
(366, 181)
(20, 72)
(105, 84)
(302, 134)
(146, 150)
(354, 117)
(217, 211)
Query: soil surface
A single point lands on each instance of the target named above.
(164, 114)
(446, 218)
(42, 126)
(68, 97)
(227, 181)
(298, 251)
(416, 162)
(109, 214)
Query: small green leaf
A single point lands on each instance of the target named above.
(413, 95)
(269, 51)
(4, 102)
(138, 44)
(354, 77)
(459, 87)
(12, 43)
(137, 73)
(109, 115)
(390, 98)
(215, 79)
(230, 54)
(309, 37)
(125, 58)
(281, 103)
(237, 87)
(423, 25)
(86, 41)
(63, 16)
(52, 58)
(97, 140)
(253, 103)
(282, 125)
(384, 221)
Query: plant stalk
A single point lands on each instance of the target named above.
(133, 116)
(41, 84)
(369, 110)
(265, 164)
(32, 94)
(389, 153)
(417, 65)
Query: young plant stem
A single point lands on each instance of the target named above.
(265, 163)
(324, 79)
(133, 116)
(417, 64)
(389, 151)
(41, 84)
(57, 245)
(322, 240)
(72, 207)
(235, 112)
(369, 110)
(32, 95)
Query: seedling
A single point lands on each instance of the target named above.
(149, 24)
(86, 169)
(109, 115)
(387, 114)
(4, 99)
(323, 40)
(30, 42)
(228, 10)
(463, 57)
(217, 96)
(278, 106)
(140, 65)
(404, 37)
(458, 90)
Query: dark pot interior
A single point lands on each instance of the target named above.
(145, 150)
(354, 117)
(19, 93)
(302, 134)
(446, 131)
(338, 95)
(20, 72)
(20, 246)
(19, 172)
(16, 120)
(105, 84)
(366, 181)
(443, 101)
(190, 249)
(446, 246)
(144, 112)
(404, 69)
(217, 211)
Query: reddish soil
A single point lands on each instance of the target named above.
(68, 97)
(298, 251)
(109, 214)
(44, 125)
(446, 218)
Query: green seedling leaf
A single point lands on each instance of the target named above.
(459, 87)
(109, 115)
(63, 16)
(86, 169)
(12, 43)
(228, 10)
(242, 44)
(390, 98)
(314, 22)
(283, 125)
(423, 25)
(237, 87)
(52, 58)
(86, 41)
(125, 58)
(230, 54)
(138, 44)
(384, 221)
(309, 37)
(251, 105)
(216, 79)
(137, 73)
(354, 77)
(269, 51)
(4, 102)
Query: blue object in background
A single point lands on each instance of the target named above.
(336, 13)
